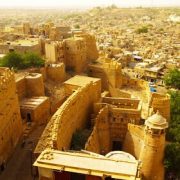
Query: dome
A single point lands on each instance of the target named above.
(120, 156)
(156, 121)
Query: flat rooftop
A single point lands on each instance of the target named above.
(81, 81)
(21, 42)
(90, 164)
(154, 69)
(32, 103)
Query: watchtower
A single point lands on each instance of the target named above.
(152, 151)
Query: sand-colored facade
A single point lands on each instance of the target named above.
(115, 125)
(10, 118)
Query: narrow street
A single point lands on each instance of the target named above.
(19, 166)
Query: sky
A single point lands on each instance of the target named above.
(85, 3)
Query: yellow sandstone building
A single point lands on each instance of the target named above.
(115, 133)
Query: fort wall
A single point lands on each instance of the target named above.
(134, 140)
(161, 103)
(11, 125)
(92, 143)
(122, 102)
(100, 136)
(67, 121)
(151, 156)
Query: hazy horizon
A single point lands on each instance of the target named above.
(79, 4)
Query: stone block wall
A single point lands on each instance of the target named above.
(21, 88)
(109, 72)
(99, 140)
(11, 125)
(73, 115)
(161, 103)
(134, 140)
(56, 72)
(75, 53)
(93, 144)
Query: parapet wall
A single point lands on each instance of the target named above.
(122, 102)
(134, 140)
(72, 115)
(135, 82)
(92, 143)
(99, 140)
(115, 92)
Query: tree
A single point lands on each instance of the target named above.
(172, 151)
(32, 60)
(173, 78)
(174, 124)
(79, 139)
(22, 61)
(172, 159)
(77, 26)
(143, 29)
(12, 59)
(112, 6)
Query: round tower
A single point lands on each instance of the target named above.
(152, 152)
(162, 104)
